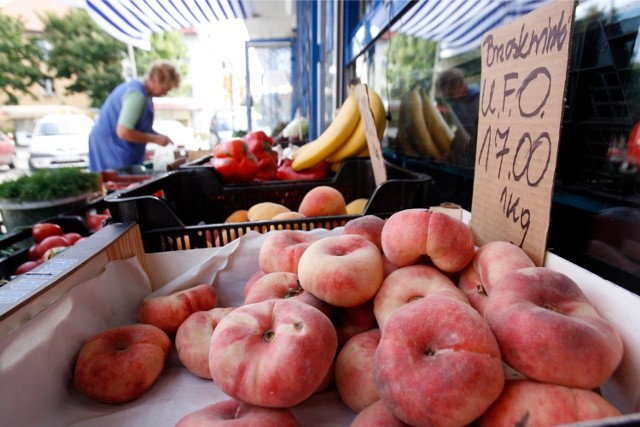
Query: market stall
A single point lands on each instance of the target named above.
(466, 315)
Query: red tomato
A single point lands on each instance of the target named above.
(50, 242)
(27, 266)
(33, 254)
(42, 230)
(72, 237)
(95, 221)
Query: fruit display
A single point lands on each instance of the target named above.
(49, 239)
(254, 158)
(234, 162)
(183, 202)
(236, 159)
(379, 312)
(320, 201)
(345, 136)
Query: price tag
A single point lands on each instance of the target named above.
(524, 73)
(375, 150)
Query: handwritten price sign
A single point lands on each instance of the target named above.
(524, 70)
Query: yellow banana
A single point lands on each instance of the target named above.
(301, 149)
(332, 138)
(357, 141)
(438, 128)
(417, 128)
(364, 153)
(403, 141)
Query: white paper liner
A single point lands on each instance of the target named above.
(36, 364)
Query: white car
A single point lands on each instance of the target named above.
(60, 140)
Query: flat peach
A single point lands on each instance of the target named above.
(549, 331)
(368, 226)
(281, 250)
(411, 234)
(323, 201)
(490, 262)
(408, 284)
(344, 270)
(532, 403)
(121, 363)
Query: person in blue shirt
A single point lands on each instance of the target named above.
(125, 124)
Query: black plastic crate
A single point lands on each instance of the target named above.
(601, 109)
(15, 246)
(186, 208)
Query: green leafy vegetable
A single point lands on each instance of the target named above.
(49, 185)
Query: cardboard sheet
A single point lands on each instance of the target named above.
(524, 70)
(36, 363)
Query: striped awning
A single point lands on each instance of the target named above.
(133, 21)
(459, 24)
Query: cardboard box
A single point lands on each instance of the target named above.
(40, 336)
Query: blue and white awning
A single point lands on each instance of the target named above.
(133, 21)
(459, 24)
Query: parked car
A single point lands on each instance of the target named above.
(7, 150)
(60, 140)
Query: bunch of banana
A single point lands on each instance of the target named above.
(345, 136)
(357, 142)
(422, 131)
(438, 128)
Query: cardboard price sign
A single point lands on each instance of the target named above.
(524, 72)
(375, 149)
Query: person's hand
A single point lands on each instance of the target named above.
(163, 140)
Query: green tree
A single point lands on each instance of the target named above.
(165, 46)
(20, 60)
(410, 61)
(84, 53)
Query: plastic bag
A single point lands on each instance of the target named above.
(162, 157)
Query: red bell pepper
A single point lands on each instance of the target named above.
(233, 160)
(262, 147)
(267, 169)
(319, 171)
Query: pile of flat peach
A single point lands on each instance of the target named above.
(406, 318)
(321, 200)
